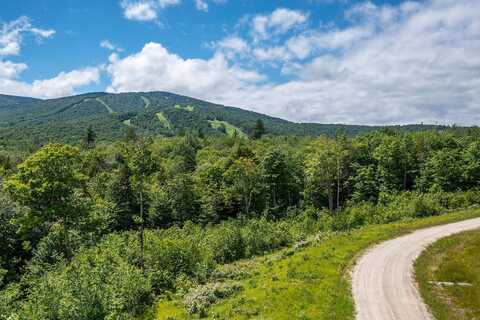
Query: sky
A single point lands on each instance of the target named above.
(325, 61)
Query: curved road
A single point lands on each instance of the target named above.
(383, 280)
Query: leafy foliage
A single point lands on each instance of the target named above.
(109, 115)
(101, 231)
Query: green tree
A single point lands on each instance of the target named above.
(326, 169)
(130, 134)
(443, 171)
(471, 165)
(243, 183)
(365, 184)
(174, 202)
(46, 183)
(11, 252)
(395, 163)
(209, 183)
(281, 180)
(89, 138)
(141, 165)
(121, 192)
(258, 130)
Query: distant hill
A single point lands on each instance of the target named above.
(11, 101)
(27, 120)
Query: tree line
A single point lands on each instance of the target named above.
(62, 198)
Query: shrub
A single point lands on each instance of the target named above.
(97, 284)
(225, 242)
(199, 299)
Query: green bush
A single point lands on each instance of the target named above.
(106, 281)
(97, 284)
(225, 242)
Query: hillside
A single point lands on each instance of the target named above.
(66, 119)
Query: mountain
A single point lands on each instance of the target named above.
(10, 101)
(27, 120)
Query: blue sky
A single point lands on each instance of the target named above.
(341, 61)
(183, 29)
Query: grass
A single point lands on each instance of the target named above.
(163, 120)
(109, 109)
(127, 122)
(230, 128)
(146, 102)
(187, 108)
(310, 282)
(455, 259)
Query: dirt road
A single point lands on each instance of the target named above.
(383, 280)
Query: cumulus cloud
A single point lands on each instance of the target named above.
(410, 63)
(139, 10)
(12, 33)
(9, 69)
(232, 47)
(155, 68)
(279, 21)
(64, 84)
(11, 41)
(148, 10)
(145, 10)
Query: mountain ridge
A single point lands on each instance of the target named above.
(109, 114)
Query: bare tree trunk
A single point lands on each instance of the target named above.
(338, 183)
(330, 200)
(142, 240)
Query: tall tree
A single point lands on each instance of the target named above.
(326, 171)
(280, 178)
(46, 183)
(89, 138)
(243, 183)
(258, 130)
(130, 134)
(141, 165)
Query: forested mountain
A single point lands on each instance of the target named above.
(28, 121)
(12, 101)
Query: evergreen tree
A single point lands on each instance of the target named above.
(258, 130)
(130, 134)
(89, 138)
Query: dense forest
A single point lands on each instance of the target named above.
(65, 120)
(99, 230)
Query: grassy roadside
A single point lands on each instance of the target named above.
(455, 259)
(308, 281)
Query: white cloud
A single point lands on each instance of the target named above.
(402, 64)
(168, 3)
(63, 84)
(42, 33)
(10, 70)
(148, 10)
(11, 35)
(139, 11)
(107, 44)
(232, 47)
(154, 68)
(279, 21)
(201, 5)
(11, 40)
(415, 62)
(272, 53)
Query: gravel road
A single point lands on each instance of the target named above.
(383, 281)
